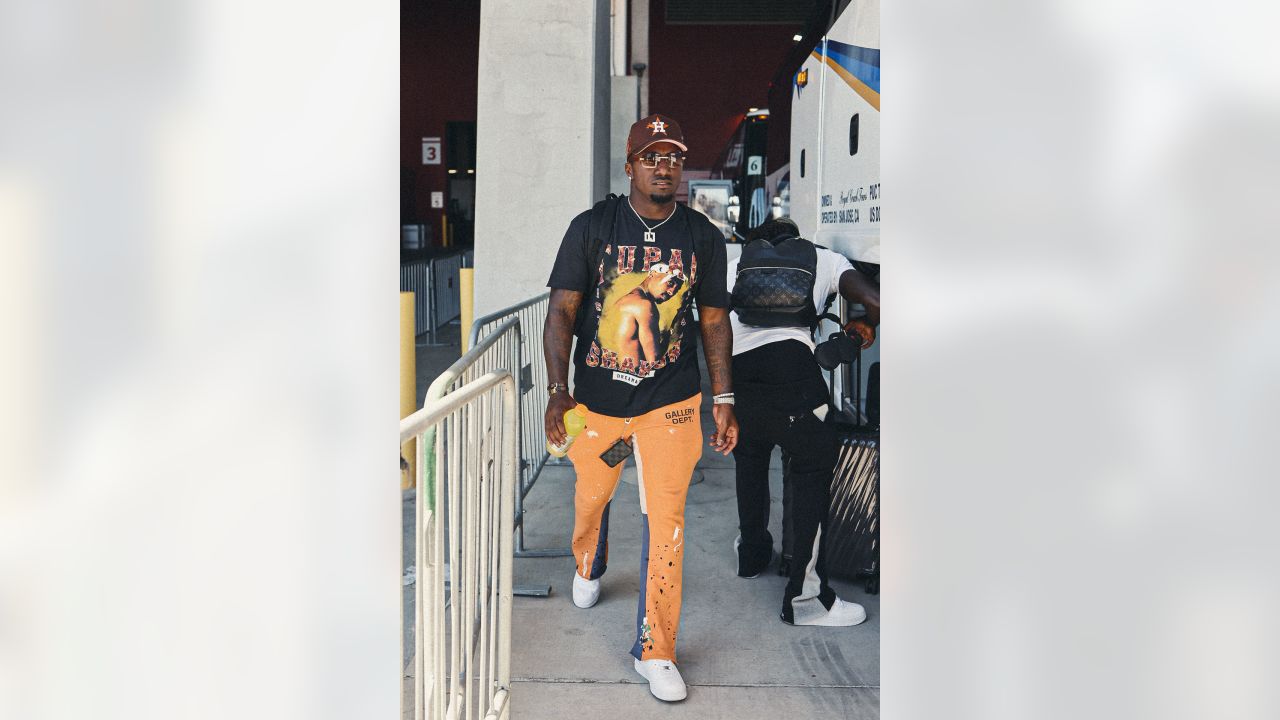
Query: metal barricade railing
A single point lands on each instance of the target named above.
(465, 513)
(532, 314)
(532, 373)
(445, 283)
(434, 283)
(506, 346)
(499, 350)
(415, 277)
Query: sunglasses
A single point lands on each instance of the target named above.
(653, 159)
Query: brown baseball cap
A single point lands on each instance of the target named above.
(654, 129)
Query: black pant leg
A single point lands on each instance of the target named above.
(813, 448)
(773, 382)
(751, 458)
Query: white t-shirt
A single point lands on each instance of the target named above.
(826, 281)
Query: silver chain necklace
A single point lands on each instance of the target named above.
(649, 234)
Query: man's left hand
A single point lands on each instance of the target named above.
(862, 331)
(725, 438)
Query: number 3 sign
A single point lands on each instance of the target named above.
(430, 151)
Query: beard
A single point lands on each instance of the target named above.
(662, 199)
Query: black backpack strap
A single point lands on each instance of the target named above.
(826, 314)
(599, 232)
(701, 241)
(602, 213)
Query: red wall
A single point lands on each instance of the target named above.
(439, 49)
(706, 76)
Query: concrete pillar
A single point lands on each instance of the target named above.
(640, 49)
(622, 115)
(620, 28)
(622, 104)
(600, 125)
(542, 145)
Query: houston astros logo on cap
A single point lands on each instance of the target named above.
(654, 129)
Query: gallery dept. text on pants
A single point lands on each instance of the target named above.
(668, 444)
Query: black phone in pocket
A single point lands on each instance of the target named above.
(616, 453)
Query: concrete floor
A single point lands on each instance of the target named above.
(738, 659)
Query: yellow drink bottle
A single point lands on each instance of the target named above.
(575, 421)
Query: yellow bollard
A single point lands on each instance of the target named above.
(408, 385)
(466, 283)
(444, 231)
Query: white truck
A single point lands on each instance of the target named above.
(833, 193)
(835, 136)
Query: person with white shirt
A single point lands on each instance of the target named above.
(781, 400)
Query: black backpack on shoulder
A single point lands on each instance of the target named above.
(774, 285)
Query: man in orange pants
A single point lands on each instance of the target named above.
(643, 252)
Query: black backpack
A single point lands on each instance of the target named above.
(600, 233)
(774, 286)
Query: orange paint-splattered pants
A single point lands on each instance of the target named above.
(668, 444)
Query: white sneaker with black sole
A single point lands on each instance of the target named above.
(585, 592)
(841, 614)
(664, 679)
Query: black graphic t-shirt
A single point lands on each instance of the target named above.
(636, 350)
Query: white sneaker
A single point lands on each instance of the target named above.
(664, 679)
(585, 592)
(737, 542)
(841, 614)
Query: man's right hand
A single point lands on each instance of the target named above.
(558, 404)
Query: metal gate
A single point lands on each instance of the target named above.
(465, 513)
